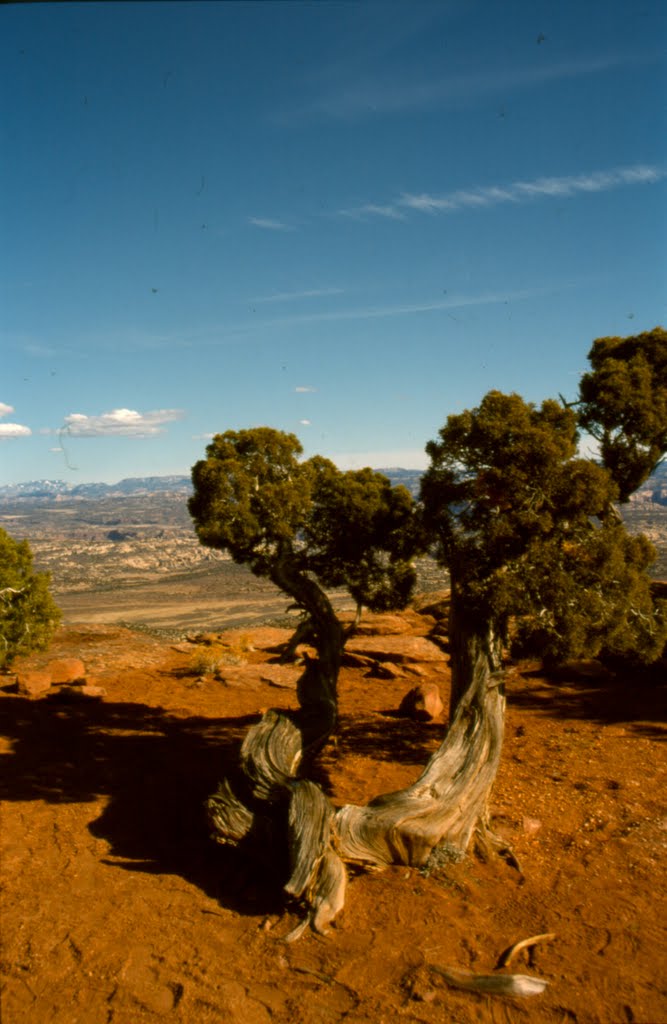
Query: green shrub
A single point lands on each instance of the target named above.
(28, 613)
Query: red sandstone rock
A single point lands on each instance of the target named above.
(33, 683)
(399, 649)
(422, 702)
(66, 670)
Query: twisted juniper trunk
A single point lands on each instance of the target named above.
(443, 809)
(270, 803)
(317, 688)
(447, 804)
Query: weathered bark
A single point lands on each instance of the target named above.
(448, 802)
(317, 688)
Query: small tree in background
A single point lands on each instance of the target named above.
(28, 614)
(623, 404)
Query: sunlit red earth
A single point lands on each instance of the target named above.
(118, 909)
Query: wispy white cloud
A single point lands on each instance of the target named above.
(10, 430)
(388, 210)
(310, 293)
(269, 224)
(304, 423)
(120, 423)
(563, 187)
(203, 437)
(303, 389)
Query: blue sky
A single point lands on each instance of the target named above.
(344, 220)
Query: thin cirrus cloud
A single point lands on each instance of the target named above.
(388, 210)
(310, 293)
(269, 224)
(564, 187)
(304, 389)
(379, 95)
(120, 423)
(11, 430)
(454, 301)
(407, 309)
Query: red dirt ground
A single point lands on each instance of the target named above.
(118, 909)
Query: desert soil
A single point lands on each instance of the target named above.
(117, 908)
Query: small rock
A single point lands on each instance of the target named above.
(385, 670)
(422, 702)
(352, 660)
(66, 670)
(416, 670)
(531, 826)
(32, 684)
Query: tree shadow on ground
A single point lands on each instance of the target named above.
(389, 736)
(639, 697)
(156, 770)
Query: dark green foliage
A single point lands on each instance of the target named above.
(250, 495)
(521, 522)
(361, 534)
(624, 405)
(255, 499)
(28, 614)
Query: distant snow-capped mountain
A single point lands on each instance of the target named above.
(131, 485)
(655, 489)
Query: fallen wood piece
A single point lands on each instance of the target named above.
(493, 984)
(505, 958)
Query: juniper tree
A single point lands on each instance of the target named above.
(523, 524)
(309, 528)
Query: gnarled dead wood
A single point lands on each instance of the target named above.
(229, 818)
(309, 834)
(318, 873)
(448, 802)
(270, 755)
(277, 803)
